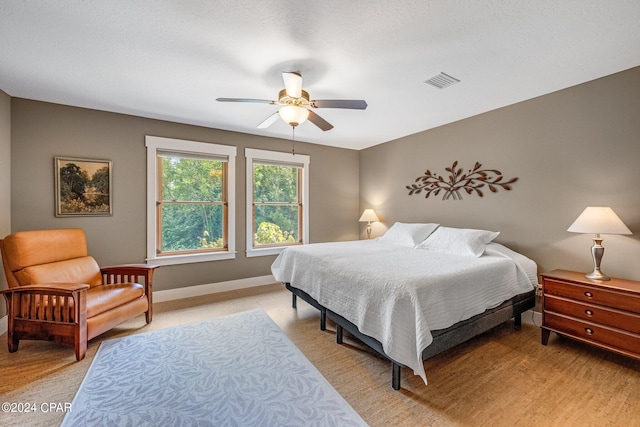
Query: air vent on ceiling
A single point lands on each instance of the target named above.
(442, 80)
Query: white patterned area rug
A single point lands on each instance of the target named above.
(237, 370)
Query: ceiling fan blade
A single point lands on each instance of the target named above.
(268, 121)
(351, 104)
(319, 121)
(293, 84)
(262, 101)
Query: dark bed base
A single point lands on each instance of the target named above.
(295, 293)
(443, 339)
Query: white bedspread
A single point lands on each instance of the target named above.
(397, 295)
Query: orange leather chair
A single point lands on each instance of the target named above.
(59, 293)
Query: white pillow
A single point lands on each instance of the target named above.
(410, 235)
(459, 241)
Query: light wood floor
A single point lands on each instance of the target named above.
(502, 378)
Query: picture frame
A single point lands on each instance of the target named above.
(83, 187)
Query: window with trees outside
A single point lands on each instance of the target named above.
(190, 201)
(277, 201)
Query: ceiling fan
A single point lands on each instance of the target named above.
(295, 104)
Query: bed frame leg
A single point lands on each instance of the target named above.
(339, 332)
(323, 319)
(294, 301)
(518, 321)
(395, 375)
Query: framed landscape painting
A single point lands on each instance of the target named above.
(83, 187)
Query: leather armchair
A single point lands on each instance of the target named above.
(59, 293)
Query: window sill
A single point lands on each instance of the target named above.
(191, 258)
(265, 251)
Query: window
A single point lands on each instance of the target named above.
(277, 201)
(190, 201)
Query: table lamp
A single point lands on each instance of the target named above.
(598, 220)
(367, 216)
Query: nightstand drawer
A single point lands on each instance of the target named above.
(593, 313)
(597, 334)
(592, 295)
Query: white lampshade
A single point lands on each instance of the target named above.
(368, 215)
(293, 114)
(599, 220)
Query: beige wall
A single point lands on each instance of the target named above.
(5, 177)
(42, 131)
(570, 149)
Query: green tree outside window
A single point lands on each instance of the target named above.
(192, 205)
(276, 204)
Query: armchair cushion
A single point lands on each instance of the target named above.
(78, 270)
(26, 248)
(106, 297)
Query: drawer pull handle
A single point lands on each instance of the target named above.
(589, 331)
(588, 294)
(588, 313)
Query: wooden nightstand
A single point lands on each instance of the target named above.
(602, 313)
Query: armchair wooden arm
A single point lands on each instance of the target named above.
(52, 311)
(128, 273)
(132, 273)
(52, 288)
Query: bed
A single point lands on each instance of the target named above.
(413, 293)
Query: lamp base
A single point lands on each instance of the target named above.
(597, 275)
(597, 250)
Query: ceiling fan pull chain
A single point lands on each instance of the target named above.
(293, 140)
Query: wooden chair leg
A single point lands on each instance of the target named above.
(80, 337)
(81, 348)
(148, 315)
(12, 342)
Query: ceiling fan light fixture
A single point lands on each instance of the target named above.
(296, 107)
(292, 84)
(285, 99)
(293, 115)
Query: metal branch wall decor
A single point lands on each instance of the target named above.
(470, 182)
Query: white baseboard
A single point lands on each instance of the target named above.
(532, 317)
(194, 291)
(211, 288)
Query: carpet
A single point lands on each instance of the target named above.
(237, 370)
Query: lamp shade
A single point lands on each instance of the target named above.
(368, 215)
(599, 220)
(293, 114)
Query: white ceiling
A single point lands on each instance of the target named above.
(170, 59)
